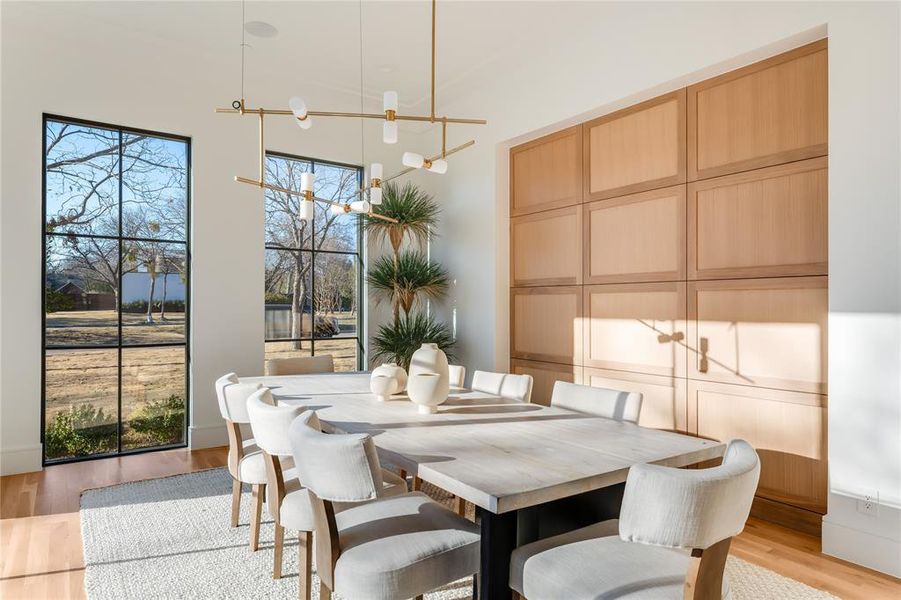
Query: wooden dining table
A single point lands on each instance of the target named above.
(530, 470)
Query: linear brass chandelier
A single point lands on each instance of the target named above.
(370, 195)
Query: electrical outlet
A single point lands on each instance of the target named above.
(868, 504)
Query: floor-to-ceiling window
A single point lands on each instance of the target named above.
(116, 289)
(313, 269)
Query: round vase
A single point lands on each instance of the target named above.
(382, 386)
(431, 359)
(395, 371)
(424, 390)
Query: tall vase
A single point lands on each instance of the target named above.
(431, 359)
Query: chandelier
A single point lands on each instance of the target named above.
(370, 195)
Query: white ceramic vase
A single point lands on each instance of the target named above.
(431, 359)
(395, 371)
(383, 386)
(424, 390)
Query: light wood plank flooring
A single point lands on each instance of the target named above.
(40, 532)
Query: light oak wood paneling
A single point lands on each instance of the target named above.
(771, 112)
(637, 327)
(546, 173)
(663, 404)
(636, 238)
(546, 248)
(544, 376)
(759, 332)
(546, 324)
(769, 222)
(788, 430)
(635, 149)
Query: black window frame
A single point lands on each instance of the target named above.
(312, 251)
(119, 239)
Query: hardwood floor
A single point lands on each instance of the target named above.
(40, 531)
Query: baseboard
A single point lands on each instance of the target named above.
(207, 436)
(863, 539)
(793, 517)
(24, 459)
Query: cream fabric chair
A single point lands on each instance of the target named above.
(506, 385)
(300, 365)
(245, 461)
(457, 375)
(597, 401)
(671, 540)
(384, 548)
(287, 502)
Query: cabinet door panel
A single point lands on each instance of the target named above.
(636, 327)
(768, 113)
(544, 376)
(769, 222)
(636, 238)
(760, 332)
(547, 248)
(788, 430)
(663, 404)
(546, 173)
(546, 324)
(638, 148)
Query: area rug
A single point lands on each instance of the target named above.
(170, 538)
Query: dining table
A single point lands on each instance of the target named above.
(530, 470)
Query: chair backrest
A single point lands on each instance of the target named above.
(270, 422)
(597, 401)
(456, 374)
(506, 385)
(336, 467)
(233, 399)
(300, 365)
(220, 384)
(690, 508)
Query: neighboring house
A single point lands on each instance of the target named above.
(83, 300)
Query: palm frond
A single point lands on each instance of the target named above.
(398, 341)
(415, 211)
(407, 279)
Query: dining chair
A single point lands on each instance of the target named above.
(671, 539)
(597, 401)
(300, 365)
(287, 502)
(245, 461)
(505, 385)
(457, 375)
(382, 548)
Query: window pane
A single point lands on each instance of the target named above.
(81, 403)
(344, 353)
(154, 187)
(154, 291)
(153, 397)
(336, 232)
(337, 279)
(82, 167)
(288, 349)
(288, 294)
(283, 228)
(80, 285)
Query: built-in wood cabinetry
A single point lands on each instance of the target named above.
(690, 263)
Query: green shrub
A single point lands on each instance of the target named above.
(56, 301)
(79, 431)
(140, 306)
(160, 422)
(276, 298)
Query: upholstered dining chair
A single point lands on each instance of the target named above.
(382, 548)
(457, 375)
(286, 501)
(505, 385)
(245, 461)
(597, 401)
(671, 540)
(300, 365)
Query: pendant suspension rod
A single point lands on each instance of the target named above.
(322, 113)
(434, 8)
(262, 150)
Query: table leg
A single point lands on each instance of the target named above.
(498, 543)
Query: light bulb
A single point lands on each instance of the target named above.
(337, 209)
(360, 206)
(306, 210)
(389, 132)
(375, 171)
(389, 101)
(299, 108)
(439, 166)
(411, 159)
(375, 196)
(306, 182)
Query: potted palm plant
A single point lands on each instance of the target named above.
(406, 277)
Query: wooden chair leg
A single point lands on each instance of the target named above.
(236, 501)
(705, 572)
(419, 597)
(324, 592)
(305, 565)
(402, 473)
(460, 506)
(256, 515)
(518, 596)
(417, 483)
(279, 551)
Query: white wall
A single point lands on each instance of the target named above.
(617, 57)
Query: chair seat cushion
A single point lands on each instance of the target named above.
(252, 469)
(402, 546)
(593, 562)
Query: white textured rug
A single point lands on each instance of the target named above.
(170, 538)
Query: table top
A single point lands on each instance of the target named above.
(499, 454)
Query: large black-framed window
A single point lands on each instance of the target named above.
(313, 270)
(116, 289)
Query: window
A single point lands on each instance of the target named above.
(313, 270)
(115, 290)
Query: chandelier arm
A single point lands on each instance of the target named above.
(453, 150)
(322, 113)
